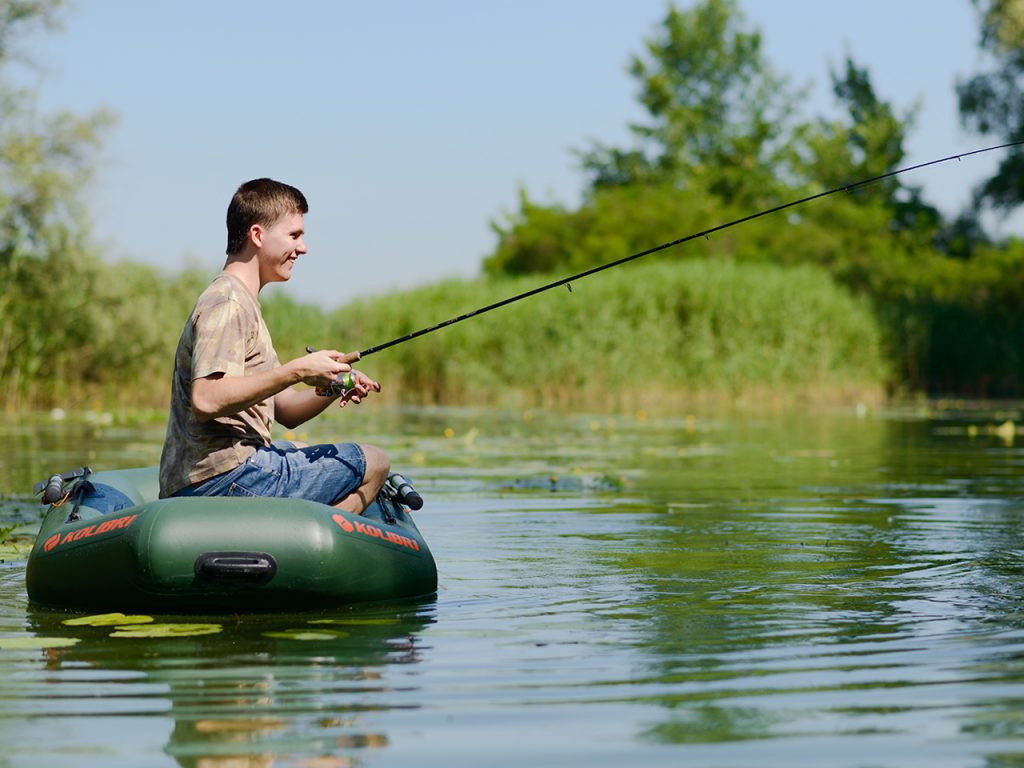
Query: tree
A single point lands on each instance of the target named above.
(870, 143)
(716, 144)
(47, 265)
(716, 111)
(722, 141)
(992, 103)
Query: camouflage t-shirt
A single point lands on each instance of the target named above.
(224, 334)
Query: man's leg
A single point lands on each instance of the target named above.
(378, 465)
(345, 475)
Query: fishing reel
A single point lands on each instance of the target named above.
(344, 384)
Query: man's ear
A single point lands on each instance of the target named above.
(256, 235)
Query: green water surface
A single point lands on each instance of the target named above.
(784, 589)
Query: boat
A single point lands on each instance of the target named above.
(108, 542)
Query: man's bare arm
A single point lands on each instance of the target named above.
(220, 395)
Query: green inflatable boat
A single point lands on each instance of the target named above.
(109, 543)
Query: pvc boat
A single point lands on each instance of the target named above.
(109, 543)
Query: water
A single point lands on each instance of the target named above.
(776, 590)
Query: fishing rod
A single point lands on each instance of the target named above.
(567, 281)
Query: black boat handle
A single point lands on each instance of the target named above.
(254, 567)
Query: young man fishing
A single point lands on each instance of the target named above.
(229, 386)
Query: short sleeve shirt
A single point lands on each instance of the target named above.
(224, 334)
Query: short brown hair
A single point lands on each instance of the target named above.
(260, 201)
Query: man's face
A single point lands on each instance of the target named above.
(282, 244)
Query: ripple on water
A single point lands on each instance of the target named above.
(756, 592)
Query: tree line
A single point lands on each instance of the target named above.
(723, 135)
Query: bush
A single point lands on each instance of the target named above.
(686, 329)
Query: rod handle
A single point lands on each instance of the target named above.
(54, 491)
(341, 385)
(405, 492)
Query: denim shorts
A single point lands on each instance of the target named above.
(325, 473)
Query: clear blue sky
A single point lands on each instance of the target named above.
(411, 125)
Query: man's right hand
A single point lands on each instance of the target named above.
(322, 367)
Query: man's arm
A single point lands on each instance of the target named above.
(293, 408)
(220, 395)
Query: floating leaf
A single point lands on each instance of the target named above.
(167, 630)
(357, 622)
(107, 620)
(28, 643)
(306, 634)
(12, 551)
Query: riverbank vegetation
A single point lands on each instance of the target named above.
(867, 291)
(643, 333)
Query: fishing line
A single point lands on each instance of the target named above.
(567, 281)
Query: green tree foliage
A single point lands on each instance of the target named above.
(722, 140)
(17, 16)
(717, 113)
(992, 103)
(44, 162)
(71, 325)
(293, 324)
(778, 303)
(869, 142)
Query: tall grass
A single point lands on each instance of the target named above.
(97, 332)
(642, 333)
(690, 329)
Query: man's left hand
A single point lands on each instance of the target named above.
(363, 387)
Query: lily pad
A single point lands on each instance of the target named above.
(357, 622)
(107, 620)
(306, 634)
(14, 550)
(34, 643)
(167, 630)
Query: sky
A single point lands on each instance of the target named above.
(412, 126)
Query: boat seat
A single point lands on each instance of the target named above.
(122, 488)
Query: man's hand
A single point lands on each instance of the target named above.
(364, 385)
(322, 368)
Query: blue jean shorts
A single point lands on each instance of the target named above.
(325, 473)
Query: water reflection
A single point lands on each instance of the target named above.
(303, 684)
(817, 602)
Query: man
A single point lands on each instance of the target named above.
(229, 386)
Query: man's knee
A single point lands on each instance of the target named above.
(378, 465)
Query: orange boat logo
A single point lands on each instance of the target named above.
(373, 532)
(346, 526)
(116, 524)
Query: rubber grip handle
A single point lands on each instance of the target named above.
(405, 492)
(54, 491)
